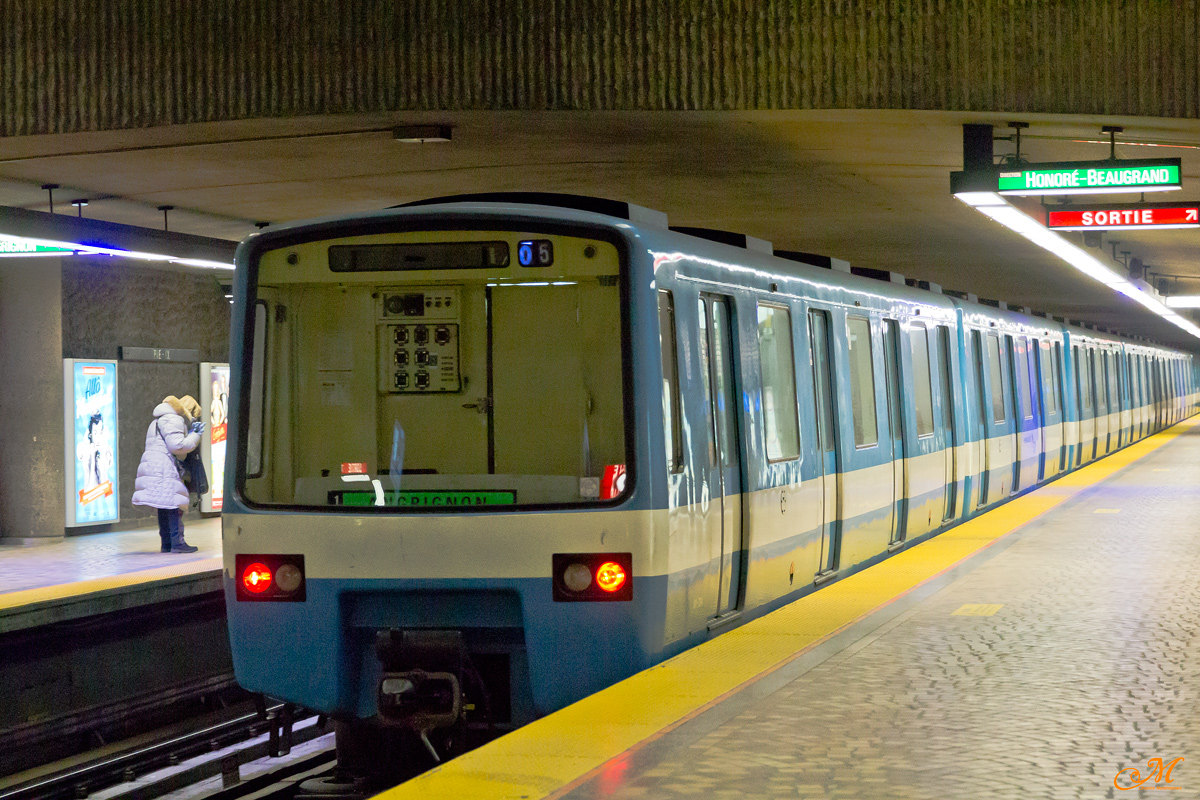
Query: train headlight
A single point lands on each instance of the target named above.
(577, 577)
(288, 578)
(256, 578)
(268, 577)
(584, 577)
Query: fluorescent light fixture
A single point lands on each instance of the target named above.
(421, 134)
(1184, 301)
(51, 247)
(1015, 220)
(977, 199)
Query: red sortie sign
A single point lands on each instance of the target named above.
(1125, 217)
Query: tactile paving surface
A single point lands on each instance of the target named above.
(1090, 665)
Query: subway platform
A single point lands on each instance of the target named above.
(1046, 649)
(83, 576)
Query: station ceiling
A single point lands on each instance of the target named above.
(871, 187)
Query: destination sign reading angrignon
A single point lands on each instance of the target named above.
(1093, 177)
(1127, 218)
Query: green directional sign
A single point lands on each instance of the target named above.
(22, 247)
(1092, 177)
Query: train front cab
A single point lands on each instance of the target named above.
(441, 506)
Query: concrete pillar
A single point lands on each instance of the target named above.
(32, 504)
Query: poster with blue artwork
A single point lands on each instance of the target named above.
(93, 485)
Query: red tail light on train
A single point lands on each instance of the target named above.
(581, 577)
(270, 577)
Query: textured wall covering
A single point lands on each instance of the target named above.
(72, 65)
(107, 304)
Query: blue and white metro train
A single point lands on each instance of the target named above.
(492, 453)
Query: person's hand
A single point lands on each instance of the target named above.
(197, 427)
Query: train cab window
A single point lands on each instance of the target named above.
(862, 382)
(778, 382)
(428, 371)
(670, 381)
(997, 378)
(918, 339)
(1023, 376)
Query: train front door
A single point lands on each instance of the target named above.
(725, 479)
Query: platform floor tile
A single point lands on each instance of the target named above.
(97, 556)
(1090, 665)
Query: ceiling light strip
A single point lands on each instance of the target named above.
(997, 208)
(89, 249)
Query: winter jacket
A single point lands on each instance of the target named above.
(158, 484)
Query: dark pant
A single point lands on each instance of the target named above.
(170, 527)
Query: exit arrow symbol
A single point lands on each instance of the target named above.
(1193, 215)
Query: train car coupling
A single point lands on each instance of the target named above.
(421, 685)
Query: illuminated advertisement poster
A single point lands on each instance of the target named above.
(214, 398)
(93, 486)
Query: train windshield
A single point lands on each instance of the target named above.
(447, 370)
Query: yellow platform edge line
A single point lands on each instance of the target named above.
(560, 751)
(64, 591)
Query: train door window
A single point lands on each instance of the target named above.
(1085, 377)
(672, 426)
(918, 339)
(778, 382)
(994, 372)
(1059, 400)
(704, 375)
(1114, 381)
(1021, 374)
(820, 347)
(862, 382)
(723, 361)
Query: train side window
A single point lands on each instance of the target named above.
(862, 382)
(918, 339)
(1021, 366)
(258, 376)
(1046, 360)
(670, 381)
(993, 353)
(778, 364)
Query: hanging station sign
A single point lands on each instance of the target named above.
(1092, 177)
(1123, 218)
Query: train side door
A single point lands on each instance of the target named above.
(891, 362)
(827, 462)
(980, 409)
(1018, 441)
(721, 392)
(949, 440)
(1031, 433)
(1051, 414)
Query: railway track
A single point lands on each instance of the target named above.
(259, 754)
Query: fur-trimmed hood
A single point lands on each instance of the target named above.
(185, 406)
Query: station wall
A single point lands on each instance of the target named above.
(108, 304)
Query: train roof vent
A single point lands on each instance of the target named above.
(727, 237)
(596, 205)
(926, 285)
(878, 274)
(986, 301)
(955, 293)
(814, 259)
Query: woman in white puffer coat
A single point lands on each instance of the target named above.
(174, 433)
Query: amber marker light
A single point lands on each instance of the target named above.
(610, 576)
(256, 578)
